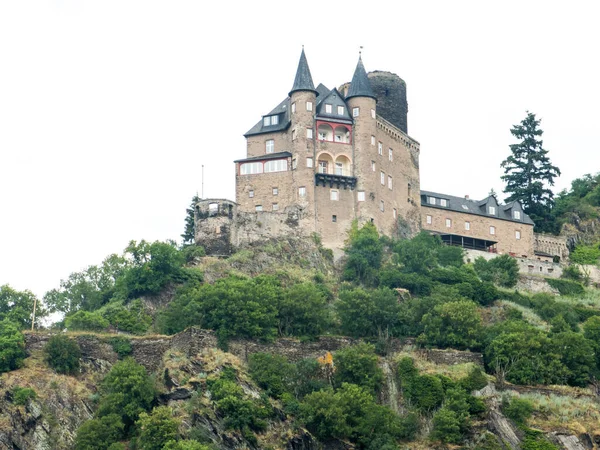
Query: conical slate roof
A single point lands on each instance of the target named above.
(303, 80)
(360, 85)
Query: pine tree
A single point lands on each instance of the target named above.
(189, 233)
(528, 173)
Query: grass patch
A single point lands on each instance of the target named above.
(454, 372)
(528, 314)
(590, 298)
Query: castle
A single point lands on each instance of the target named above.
(323, 158)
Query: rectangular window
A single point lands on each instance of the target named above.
(258, 208)
(274, 120)
(373, 113)
(372, 140)
(381, 206)
(322, 166)
(275, 191)
(251, 194)
(302, 191)
(309, 133)
(339, 168)
(382, 176)
(448, 223)
(277, 165)
(492, 210)
(431, 200)
(517, 215)
(270, 145)
(492, 230)
(429, 220)
(390, 185)
(293, 135)
(355, 112)
(334, 195)
(309, 106)
(395, 211)
(373, 166)
(275, 206)
(518, 234)
(409, 190)
(443, 202)
(340, 110)
(380, 148)
(251, 168)
(334, 218)
(467, 226)
(361, 196)
(267, 121)
(294, 164)
(309, 162)
(328, 108)
(390, 154)
(293, 107)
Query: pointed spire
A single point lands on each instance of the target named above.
(360, 85)
(303, 80)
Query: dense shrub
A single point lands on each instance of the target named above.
(475, 380)
(100, 433)
(566, 287)
(22, 395)
(572, 273)
(131, 318)
(419, 254)
(86, 321)
(368, 313)
(127, 391)
(417, 284)
(363, 254)
(121, 346)
(517, 409)
(454, 324)
(185, 445)
(446, 427)
(502, 270)
(273, 373)
(358, 364)
(62, 354)
(157, 428)
(302, 311)
(12, 346)
(535, 440)
(577, 355)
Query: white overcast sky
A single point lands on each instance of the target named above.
(109, 108)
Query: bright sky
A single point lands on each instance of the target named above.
(108, 109)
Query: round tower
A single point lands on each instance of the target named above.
(390, 91)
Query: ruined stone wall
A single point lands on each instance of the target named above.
(553, 245)
(527, 266)
(480, 229)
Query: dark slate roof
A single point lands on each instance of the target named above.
(282, 110)
(335, 99)
(303, 80)
(265, 157)
(360, 85)
(467, 206)
(322, 92)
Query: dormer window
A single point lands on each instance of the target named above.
(431, 200)
(492, 210)
(340, 110)
(517, 215)
(328, 109)
(270, 120)
(443, 202)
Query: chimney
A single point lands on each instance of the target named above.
(467, 197)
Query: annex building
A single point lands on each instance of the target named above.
(324, 157)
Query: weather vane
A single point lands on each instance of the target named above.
(360, 51)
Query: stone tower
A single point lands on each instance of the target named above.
(390, 91)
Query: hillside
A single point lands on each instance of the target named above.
(400, 346)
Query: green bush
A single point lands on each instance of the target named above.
(157, 428)
(22, 395)
(417, 284)
(572, 273)
(86, 321)
(127, 390)
(368, 313)
(99, 434)
(12, 346)
(273, 373)
(475, 380)
(425, 392)
(363, 254)
(302, 311)
(454, 324)
(502, 270)
(131, 318)
(62, 354)
(358, 364)
(446, 427)
(566, 287)
(517, 409)
(121, 346)
(535, 440)
(185, 445)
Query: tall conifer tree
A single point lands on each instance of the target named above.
(528, 172)
(189, 232)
